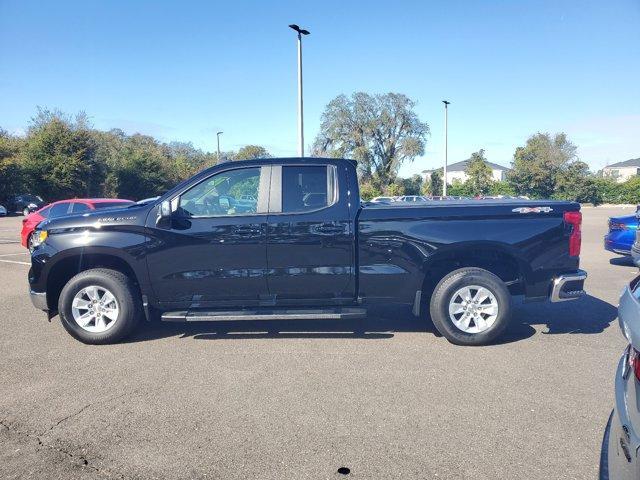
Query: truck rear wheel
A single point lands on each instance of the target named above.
(99, 306)
(471, 306)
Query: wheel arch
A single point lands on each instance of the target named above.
(73, 263)
(500, 259)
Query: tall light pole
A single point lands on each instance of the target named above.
(300, 111)
(446, 126)
(218, 137)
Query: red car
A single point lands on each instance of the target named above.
(65, 207)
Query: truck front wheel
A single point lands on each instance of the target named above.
(99, 306)
(470, 306)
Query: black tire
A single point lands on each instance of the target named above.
(449, 285)
(122, 288)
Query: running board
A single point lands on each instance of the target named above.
(266, 314)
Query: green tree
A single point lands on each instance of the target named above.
(537, 165)
(576, 183)
(368, 191)
(11, 173)
(58, 157)
(460, 189)
(501, 187)
(434, 184)
(250, 152)
(479, 174)
(412, 185)
(139, 168)
(394, 189)
(381, 132)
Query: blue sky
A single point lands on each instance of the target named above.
(184, 70)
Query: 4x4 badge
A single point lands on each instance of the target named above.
(532, 210)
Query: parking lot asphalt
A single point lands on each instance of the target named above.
(384, 397)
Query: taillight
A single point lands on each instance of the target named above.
(634, 361)
(617, 226)
(575, 240)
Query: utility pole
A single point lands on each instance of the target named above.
(446, 139)
(218, 137)
(300, 107)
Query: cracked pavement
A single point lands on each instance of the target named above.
(384, 397)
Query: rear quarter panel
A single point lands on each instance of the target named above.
(397, 245)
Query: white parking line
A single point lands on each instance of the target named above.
(13, 261)
(13, 254)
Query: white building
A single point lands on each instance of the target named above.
(622, 171)
(456, 172)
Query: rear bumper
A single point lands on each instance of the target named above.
(619, 241)
(568, 286)
(39, 300)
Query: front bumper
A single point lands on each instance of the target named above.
(568, 286)
(39, 300)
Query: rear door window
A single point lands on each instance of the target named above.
(306, 188)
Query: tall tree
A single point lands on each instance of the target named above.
(381, 132)
(139, 169)
(576, 183)
(537, 165)
(58, 158)
(479, 174)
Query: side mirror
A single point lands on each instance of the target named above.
(165, 209)
(164, 215)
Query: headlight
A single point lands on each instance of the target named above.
(38, 237)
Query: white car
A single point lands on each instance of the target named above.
(412, 199)
(3, 211)
(382, 200)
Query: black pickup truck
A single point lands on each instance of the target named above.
(291, 239)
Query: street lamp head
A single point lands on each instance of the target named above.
(446, 102)
(219, 133)
(299, 30)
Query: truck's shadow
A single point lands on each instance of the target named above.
(587, 315)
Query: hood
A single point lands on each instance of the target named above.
(132, 215)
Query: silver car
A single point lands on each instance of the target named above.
(621, 444)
